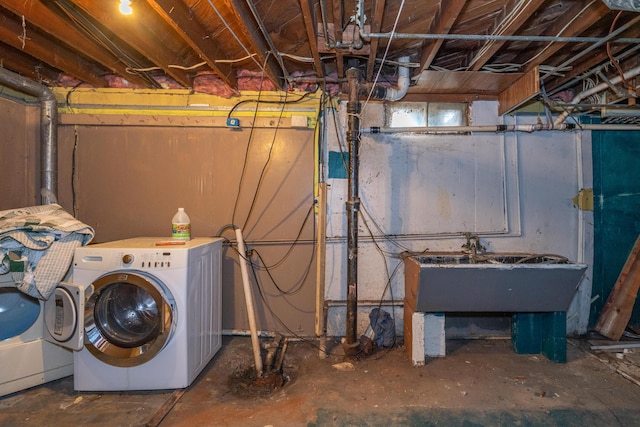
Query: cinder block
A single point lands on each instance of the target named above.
(434, 338)
(426, 337)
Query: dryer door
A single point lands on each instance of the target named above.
(128, 319)
(63, 316)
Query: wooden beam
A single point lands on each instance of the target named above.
(310, 26)
(144, 31)
(509, 28)
(441, 24)
(378, 12)
(260, 47)
(574, 27)
(521, 91)
(49, 22)
(617, 311)
(466, 82)
(592, 60)
(26, 66)
(177, 15)
(338, 12)
(49, 51)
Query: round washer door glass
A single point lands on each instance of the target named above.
(128, 319)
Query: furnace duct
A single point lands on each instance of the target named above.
(48, 131)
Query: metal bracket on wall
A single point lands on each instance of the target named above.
(584, 199)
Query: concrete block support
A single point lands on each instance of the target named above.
(427, 337)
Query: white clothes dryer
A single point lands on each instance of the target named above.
(26, 359)
(142, 313)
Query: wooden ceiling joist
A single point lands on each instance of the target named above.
(48, 22)
(310, 25)
(441, 24)
(259, 46)
(177, 15)
(49, 51)
(144, 34)
(338, 15)
(508, 26)
(25, 66)
(569, 26)
(378, 12)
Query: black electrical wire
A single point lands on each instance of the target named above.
(295, 242)
(263, 101)
(246, 153)
(267, 162)
(74, 153)
(362, 204)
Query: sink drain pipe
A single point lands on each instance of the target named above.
(352, 207)
(248, 298)
(48, 131)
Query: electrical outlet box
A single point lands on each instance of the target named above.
(232, 122)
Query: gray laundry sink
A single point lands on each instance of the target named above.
(490, 282)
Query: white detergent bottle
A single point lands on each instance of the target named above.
(181, 226)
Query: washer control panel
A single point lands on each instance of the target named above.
(147, 260)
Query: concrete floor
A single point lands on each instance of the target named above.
(478, 383)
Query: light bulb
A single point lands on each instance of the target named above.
(125, 7)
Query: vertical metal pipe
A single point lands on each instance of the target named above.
(353, 206)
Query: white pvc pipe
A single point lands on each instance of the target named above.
(496, 128)
(598, 88)
(248, 297)
(393, 94)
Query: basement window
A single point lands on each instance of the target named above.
(421, 114)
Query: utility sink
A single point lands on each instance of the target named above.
(490, 282)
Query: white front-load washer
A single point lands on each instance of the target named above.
(26, 359)
(151, 317)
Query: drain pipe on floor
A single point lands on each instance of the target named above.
(48, 131)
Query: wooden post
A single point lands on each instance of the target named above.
(617, 311)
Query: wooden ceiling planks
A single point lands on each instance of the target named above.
(569, 25)
(441, 24)
(378, 11)
(509, 25)
(438, 82)
(147, 34)
(249, 29)
(178, 16)
(312, 36)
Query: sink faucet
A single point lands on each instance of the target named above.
(473, 247)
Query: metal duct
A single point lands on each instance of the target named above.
(632, 5)
(48, 131)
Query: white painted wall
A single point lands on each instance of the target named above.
(422, 192)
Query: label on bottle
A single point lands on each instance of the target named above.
(181, 231)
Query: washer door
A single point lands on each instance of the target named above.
(63, 315)
(128, 319)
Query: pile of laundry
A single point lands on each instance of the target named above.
(37, 245)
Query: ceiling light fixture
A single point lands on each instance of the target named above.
(125, 7)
